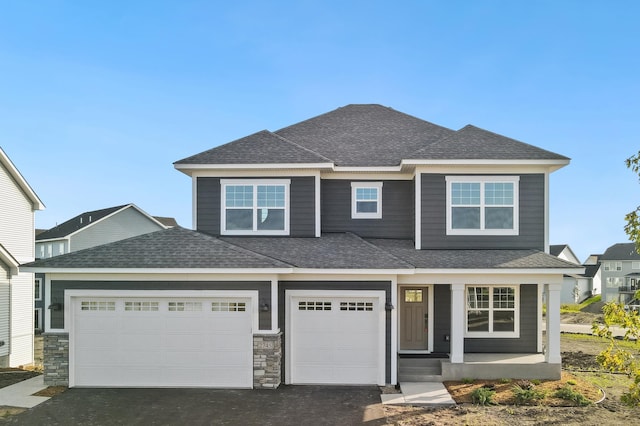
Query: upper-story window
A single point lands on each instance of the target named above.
(259, 206)
(482, 205)
(635, 265)
(613, 266)
(366, 200)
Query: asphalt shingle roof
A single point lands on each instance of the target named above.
(621, 251)
(368, 135)
(78, 222)
(556, 249)
(471, 259)
(331, 251)
(169, 248)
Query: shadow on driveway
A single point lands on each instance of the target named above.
(288, 405)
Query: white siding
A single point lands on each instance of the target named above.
(125, 224)
(22, 303)
(5, 294)
(16, 219)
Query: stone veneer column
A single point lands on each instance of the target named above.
(56, 359)
(267, 360)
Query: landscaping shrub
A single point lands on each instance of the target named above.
(527, 395)
(483, 396)
(569, 394)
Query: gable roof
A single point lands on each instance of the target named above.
(20, 181)
(86, 219)
(621, 251)
(368, 135)
(8, 259)
(556, 249)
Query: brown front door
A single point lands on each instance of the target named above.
(414, 316)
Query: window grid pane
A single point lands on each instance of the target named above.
(239, 196)
(465, 193)
(141, 306)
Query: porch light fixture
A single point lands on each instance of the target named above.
(55, 306)
(388, 306)
(264, 307)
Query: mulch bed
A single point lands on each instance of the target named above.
(10, 376)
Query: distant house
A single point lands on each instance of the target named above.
(620, 265)
(575, 287)
(18, 204)
(91, 229)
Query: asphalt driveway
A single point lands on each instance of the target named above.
(288, 405)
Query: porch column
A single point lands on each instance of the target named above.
(457, 323)
(552, 355)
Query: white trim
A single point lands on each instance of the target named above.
(546, 213)
(379, 294)
(417, 238)
(39, 325)
(491, 309)
(458, 313)
(366, 175)
(7, 258)
(187, 168)
(540, 289)
(552, 165)
(318, 217)
(274, 305)
(21, 181)
(394, 330)
(194, 202)
(286, 183)
(372, 215)
(482, 180)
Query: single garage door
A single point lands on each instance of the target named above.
(162, 342)
(336, 339)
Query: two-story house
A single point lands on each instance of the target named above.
(18, 204)
(327, 252)
(576, 287)
(620, 269)
(90, 229)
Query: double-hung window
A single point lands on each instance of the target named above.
(482, 205)
(366, 200)
(258, 207)
(492, 311)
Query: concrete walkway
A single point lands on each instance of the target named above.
(20, 394)
(427, 394)
(586, 329)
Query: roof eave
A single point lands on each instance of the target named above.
(188, 168)
(501, 271)
(552, 165)
(20, 180)
(9, 260)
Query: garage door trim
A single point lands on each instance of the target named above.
(73, 296)
(290, 295)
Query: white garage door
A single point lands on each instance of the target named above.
(336, 340)
(162, 342)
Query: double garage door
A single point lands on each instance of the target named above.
(161, 342)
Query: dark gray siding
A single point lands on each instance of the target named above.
(441, 318)
(301, 199)
(434, 222)
(335, 285)
(397, 210)
(58, 288)
(528, 340)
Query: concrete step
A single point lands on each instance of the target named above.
(420, 362)
(411, 378)
(419, 370)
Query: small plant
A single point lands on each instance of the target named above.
(467, 380)
(504, 381)
(536, 382)
(483, 396)
(572, 382)
(527, 396)
(569, 394)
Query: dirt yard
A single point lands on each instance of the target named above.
(578, 354)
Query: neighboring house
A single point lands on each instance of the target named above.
(575, 287)
(620, 268)
(337, 250)
(91, 229)
(18, 203)
(593, 270)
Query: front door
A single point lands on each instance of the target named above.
(414, 318)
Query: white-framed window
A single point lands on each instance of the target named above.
(613, 266)
(37, 289)
(61, 248)
(482, 205)
(492, 311)
(635, 265)
(37, 318)
(614, 282)
(256, 206)
(41, 251)
(97, 305)
(49, 250)
(366, 200)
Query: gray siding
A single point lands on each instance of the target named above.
(124, 224)
(5, 312)
(528, 340)
(434, 222)
(58, 288)
(397, 210)
(335, 285)
(441, 318)
(301, 199)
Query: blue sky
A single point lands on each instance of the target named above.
(98, 99)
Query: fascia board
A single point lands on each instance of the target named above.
(186, 168)
(21, 181)
(551, 165)
(52, 240)
(50, 270)
(502, 271)
(8, 259)
(337, 271)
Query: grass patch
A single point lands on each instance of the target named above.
(577, 307)
(600, 341)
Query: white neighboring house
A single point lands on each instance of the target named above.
(575, 287)
(18, 203)
(94, 228)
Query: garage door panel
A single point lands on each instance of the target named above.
(182, 344)
(336, 339)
